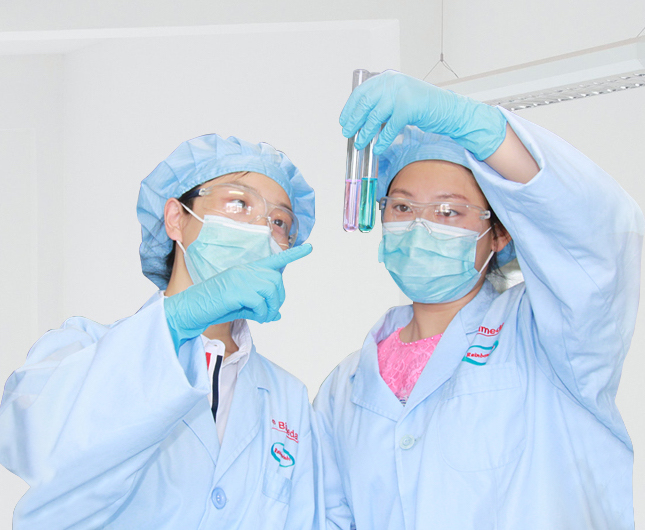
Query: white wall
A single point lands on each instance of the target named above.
(417, 18)
(123, 105)
(479, 35)
(31, 162)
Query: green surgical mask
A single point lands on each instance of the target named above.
(223, 243)
(431, 263)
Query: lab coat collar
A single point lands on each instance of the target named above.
(246, 410)
(200, 418)
(241, 335)
(452, 347)
(471, 316)
(369, 389)
(152, 299)
(245, 417)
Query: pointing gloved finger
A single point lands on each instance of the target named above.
(270, 294)
(268, 284)
(274, 287)
(260, 317)
(282, 259)
(244, 314)
(275, 278)
(281, 294)
(259, 311)
(248, 298)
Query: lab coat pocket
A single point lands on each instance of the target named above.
(276, 486)
(481, 423)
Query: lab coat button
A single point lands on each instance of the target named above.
(406, 442)
(219, 498)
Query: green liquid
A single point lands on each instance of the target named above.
(367, 212)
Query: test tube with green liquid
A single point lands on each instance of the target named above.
(369, 173)
(367, 210)
(354, 171)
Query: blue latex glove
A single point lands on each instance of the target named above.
(254, 291)
(399, 100)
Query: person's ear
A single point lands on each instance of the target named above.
(501, 238)
(174, 219)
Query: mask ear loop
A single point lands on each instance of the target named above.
(194, 214)
(484, 233)
(490, 256)
(196, 217)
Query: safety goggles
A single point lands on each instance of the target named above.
(245, 204)
(450, 214)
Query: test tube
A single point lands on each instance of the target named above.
(367, 209)
(353, 173)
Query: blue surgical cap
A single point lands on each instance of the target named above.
(200, 160)
(413, 145)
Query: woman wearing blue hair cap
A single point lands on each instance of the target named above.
(170, 419)
(472, 408)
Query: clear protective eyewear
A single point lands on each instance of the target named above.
(467, 216)
(245, 204)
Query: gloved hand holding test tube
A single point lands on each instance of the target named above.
(360, 177)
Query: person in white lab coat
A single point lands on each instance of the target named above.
(472, 409)
(170, 419)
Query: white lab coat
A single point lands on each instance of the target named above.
(112, 429)
(512, 424)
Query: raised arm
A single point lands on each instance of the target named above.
(578, 238)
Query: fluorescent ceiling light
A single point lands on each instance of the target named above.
(602, 70)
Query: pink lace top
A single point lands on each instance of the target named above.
(401, 363)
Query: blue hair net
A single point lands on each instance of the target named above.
(200, 160)
(412, 145)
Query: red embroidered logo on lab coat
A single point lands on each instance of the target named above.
(481, 349)
(281, 426)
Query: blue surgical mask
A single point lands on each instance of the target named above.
(431, 263)
(223, 243)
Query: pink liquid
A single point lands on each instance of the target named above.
(352, 200)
